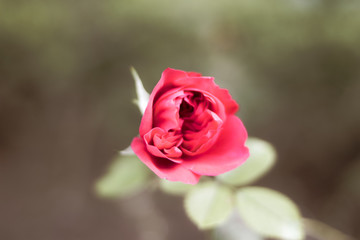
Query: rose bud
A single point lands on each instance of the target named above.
(189, 129)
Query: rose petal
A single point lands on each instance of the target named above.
(173, 152)
(166, 110)
(157, 153)
(193, 74)
(154, 150)
(227, 153)
(163, 167)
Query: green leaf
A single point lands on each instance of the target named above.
(208, 204)
(174, 188)
(262, 158)
(125, 176)
(142, 95)
(235, 229)
(269, 213)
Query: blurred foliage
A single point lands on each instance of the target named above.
(175, 188)
(270, 213)
(208, 204)
(126, 176)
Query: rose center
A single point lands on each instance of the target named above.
(185, 109)
(200, 125)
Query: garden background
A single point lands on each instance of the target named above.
(66, 105)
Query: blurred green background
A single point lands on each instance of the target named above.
(66, 105)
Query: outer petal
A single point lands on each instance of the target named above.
(163, 86)
(227, 153)
(162, 167)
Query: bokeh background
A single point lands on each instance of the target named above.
(66, 105)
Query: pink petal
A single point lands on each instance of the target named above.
(173, 152)
(154, 150)
(157, 153)
(227, 153)
(163, 167)
(193, 74)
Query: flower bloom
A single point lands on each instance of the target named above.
(189, 129)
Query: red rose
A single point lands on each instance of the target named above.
(189, 129)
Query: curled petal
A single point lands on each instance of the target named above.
(155, 144)
(173, 152)
(163, 167)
